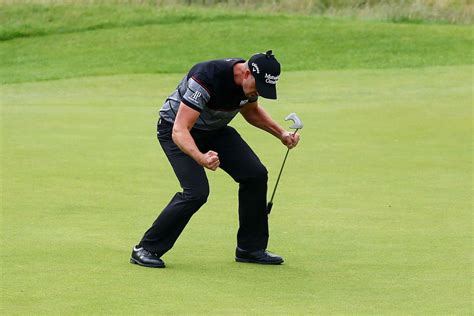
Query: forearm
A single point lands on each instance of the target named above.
(183, 139)
(258, 117)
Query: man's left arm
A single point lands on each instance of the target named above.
(258, 117)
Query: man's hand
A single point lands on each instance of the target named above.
(289, 139)
(210, 160)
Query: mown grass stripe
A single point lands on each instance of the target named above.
(309, 43)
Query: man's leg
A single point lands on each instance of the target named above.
(170, 223)
(243, 165)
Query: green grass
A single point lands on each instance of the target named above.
(373, 214)
(28, 20)
(42, 14)
(301, 43)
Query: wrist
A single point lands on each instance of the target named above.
(199, 158)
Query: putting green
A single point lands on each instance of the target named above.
(373, 214)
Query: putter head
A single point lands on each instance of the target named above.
(297, 124)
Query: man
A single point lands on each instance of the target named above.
(193, 132)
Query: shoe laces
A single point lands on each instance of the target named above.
(149, 253)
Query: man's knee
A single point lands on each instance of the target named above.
(197, 195)
(257, 174)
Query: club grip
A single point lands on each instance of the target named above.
(269, 207)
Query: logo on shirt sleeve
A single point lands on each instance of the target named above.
(196, 95)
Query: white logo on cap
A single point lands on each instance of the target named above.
(271, 79)
(255, 68)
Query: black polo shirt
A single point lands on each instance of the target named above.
(208, 88)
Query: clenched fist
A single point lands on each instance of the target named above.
(289, 139)
(210, 160)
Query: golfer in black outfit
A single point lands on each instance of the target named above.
(193, 132)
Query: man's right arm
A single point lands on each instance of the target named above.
(185, 120)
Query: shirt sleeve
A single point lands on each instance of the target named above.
(196, 95)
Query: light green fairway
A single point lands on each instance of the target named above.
(373, 214)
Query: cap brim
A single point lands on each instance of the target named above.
(265, 90)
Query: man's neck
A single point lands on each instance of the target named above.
(239, 70)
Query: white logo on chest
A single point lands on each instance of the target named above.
(243, 102)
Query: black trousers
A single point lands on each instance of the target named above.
(239, 161)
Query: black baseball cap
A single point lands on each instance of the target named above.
(266, 70)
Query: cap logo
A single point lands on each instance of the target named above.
(255, 68)
(271, 79)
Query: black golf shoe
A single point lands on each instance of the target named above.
(257, 256)
(145, 258)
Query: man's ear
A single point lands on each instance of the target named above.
(247, 73)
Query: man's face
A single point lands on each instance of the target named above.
(248, 85)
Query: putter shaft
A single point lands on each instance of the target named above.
(270, 204)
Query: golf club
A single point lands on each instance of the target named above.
(297, 124)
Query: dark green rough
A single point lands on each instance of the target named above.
(90, 46)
